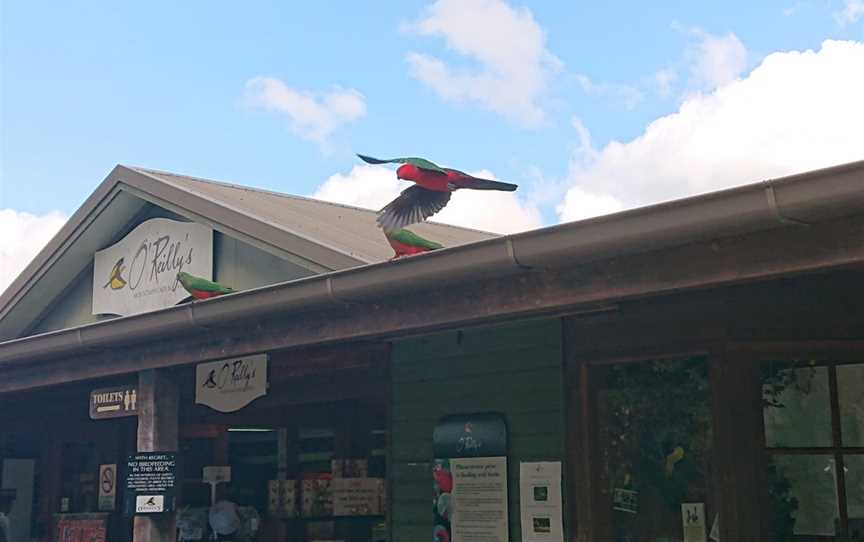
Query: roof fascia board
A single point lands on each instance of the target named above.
(60, 243)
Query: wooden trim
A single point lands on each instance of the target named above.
(830, 350)
(837, 437)
(645, 355)
(820, 450)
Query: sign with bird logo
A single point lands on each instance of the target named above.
(470, 478)
(230, 384)
(139, 273)
(150, 483)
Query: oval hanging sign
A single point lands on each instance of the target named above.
(230, 384)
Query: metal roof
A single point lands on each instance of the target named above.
(347, 229)
(317, 235)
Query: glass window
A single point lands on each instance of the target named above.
(850, 388)
(855, 493)
(813, 424)
(797, 405)
(655, 446)
(803, 494)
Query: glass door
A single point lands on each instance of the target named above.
(653, 452)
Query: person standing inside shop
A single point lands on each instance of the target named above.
(7, 498)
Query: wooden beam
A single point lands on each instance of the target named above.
(157, 432)
(589, 286)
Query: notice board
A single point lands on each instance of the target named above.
(470, 479)
(150, 483)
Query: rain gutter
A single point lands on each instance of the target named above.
(798, 200)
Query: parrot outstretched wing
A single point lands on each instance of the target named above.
(414, 204)
(410, 238)
(422, 163)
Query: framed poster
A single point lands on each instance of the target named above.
(470, 479)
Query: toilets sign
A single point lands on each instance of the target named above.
(114, 402)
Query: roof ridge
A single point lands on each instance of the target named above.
(293, 196)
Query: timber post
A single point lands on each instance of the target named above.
(157, 432)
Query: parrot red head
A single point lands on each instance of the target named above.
(407, 172)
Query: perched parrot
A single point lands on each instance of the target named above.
(116, 280)
(429, 194)
(201, 288)
(407, 243)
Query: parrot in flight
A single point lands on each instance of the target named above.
(201, 288)
(430, 192)
(407, 243)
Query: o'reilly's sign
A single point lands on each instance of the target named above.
(139, 273)
(230, 384)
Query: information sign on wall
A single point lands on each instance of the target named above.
(470, 479)
(540, 501)
(150, 483)
(107, 487)
(230, 384)
(114, 402)
(139, 273)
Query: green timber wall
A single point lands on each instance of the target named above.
(514, 369)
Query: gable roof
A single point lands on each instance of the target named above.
(345, 229)
(317, 235)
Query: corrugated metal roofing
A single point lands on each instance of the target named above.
(350, 230)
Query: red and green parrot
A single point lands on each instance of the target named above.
(430, 192)
(407, 243)
(201, 288)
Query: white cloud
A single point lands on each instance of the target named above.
(509, 47)
(792, 10)
(664, 79)
(851, 12)
(375, 186)
(708, 62)
(628, 95)
(717, 60)
(311, 117)
(23, 237)
(795, 112)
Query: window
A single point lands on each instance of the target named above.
(813, 414)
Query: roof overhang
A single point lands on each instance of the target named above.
(823, 209)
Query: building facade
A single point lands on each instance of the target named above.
(687, 371)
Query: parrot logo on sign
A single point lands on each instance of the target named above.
(116, 280)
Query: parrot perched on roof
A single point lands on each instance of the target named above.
(407, 243)
(201, 288)
(429, 194)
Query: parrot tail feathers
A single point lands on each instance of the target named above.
(370, 160)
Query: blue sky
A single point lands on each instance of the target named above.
(167, 85)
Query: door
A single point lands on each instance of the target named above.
(18, 474)
(647, 451)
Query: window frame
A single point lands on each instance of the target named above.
(828, 354)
